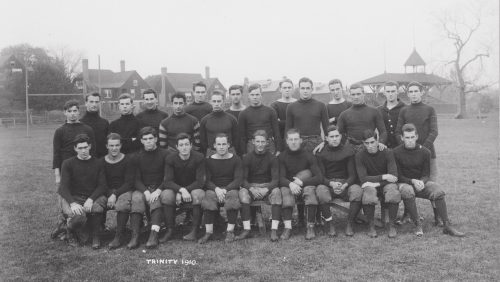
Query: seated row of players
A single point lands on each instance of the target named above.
(158, 180)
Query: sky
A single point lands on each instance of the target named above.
(351, 40)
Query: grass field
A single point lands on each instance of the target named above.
(468, 169)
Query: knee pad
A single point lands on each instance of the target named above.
(167, 197)
(355, 193)
(287, 197)
(309, 194)
(391, 194)
(323, 194)
(138, 204)
(209, 202)
(436, 193)
(369, 196)
(197, 196)
(232, 200)
(99, 205)
(275, 197)
(244, 196)
(406, 191)
(124, 202)
(304, 174)
(76, 221)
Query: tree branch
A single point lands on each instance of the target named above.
(473, 59)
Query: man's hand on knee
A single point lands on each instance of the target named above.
(390, 178)
(186, 196)
(295, 188)
(255, 193)
(87, 206)
(111, 201)
(77, 209)
(154, 196)
(418, 184)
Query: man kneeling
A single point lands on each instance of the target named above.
(82, 189)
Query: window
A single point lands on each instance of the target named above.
(108, 93)
(135, 83)
(132, 93)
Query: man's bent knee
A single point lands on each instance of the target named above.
(244, 196)
(210, 201)
(310, 196)
(138, 202)
(232, 200)
(124, 202)
(323, 194)
(197, 196)
(99, 205)
(435, 191)
(167, 197)
(406, 191)
(287, 197)
(275, 197)
(355, 193)
(391, 193)
(369, 196)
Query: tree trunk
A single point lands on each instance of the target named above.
(462, 109)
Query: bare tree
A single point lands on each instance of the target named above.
(71, 59)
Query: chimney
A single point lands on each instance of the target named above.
(164, 71)
(207, 72)
(122, 66)
(163, 92)
(85, 74)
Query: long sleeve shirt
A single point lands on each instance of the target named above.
(334, 110)
(292, 162)
(152, 118)
(412, 163)
(260, 168)
(280, 108)
(128, 126)
(63, 146)
(101, 130)
(425, 120)
(82, 178)
(189, 173)
(175, 124)
(337, 162)
(150, 169)
(199, 110)
(218, 122)
(224, 173)
(371, 167)
(120, 176)
(253, 118)
(308, 116)
(390, 118)
(358, 118)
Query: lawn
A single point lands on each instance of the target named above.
(468, 169)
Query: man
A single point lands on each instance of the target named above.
(82, 190)
(390, 112)
(189, 98)
(299, 176)
(336, 162)
(216, 122)
(307, 115)
(149, 183)
(127, 125)
(96, 122)
(120, 177)
(378, 174)
(151, 116)
(224, 174)
(256, 117)
(184, 180)
(338, 104)
(413, 161)
(280, 105)
(199, 108)
(353, 122)
(179, 122)
(235, 94)
(260, 179)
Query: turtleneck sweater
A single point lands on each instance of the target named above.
(358, 118)
(308, 116)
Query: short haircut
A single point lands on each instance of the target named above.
(236, 87)
(71, 103)
(178, 95)
(125, 96)
(182, 136)
(81, 138)
(94, 94)
(356, 86)
(218, 92)
(285, 81)
(335, 81)
(254, 86)
(260, 132)
(391, 83)
(409, 127)
(416, 83)
(305, 80)
(199, 84)
(146, 131)
(369, 133)
(149, 91)
(292, 131)
(331, 128)
(222, 135)
(113, 136)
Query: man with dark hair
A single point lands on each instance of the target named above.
(378, 174)
(260, 179)
(150, 188)
(307, 115)
(184, 181)
(199, 108)
(127, 125)
(299, 176)
(338, 104)
(96, 122)
(336, 162)
(216, 122)
(120, 177)
(179, 122)
(390, 112)
(256, 117)
(151, 116)
(224, 174)
(413, 161)
(280, 105)
(82, 190)
(235, 94)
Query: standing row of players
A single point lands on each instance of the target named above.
(307, 116)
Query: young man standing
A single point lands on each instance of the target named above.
(185, 180)
(235, 94)
(390, 112)
(280, 106)
(151, 116)
(338, 104)
(127, 125)
(199, 108)
(96, 122)
(224, 174)
(82, 190)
